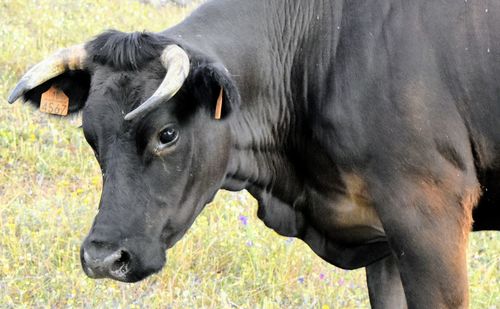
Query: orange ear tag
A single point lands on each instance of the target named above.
(218, 107)
(54, 101)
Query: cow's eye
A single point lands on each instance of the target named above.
(168, 135)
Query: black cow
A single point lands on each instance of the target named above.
(368, 129)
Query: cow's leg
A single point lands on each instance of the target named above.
(427, 221)
(384, 285)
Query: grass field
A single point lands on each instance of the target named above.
(50, 186)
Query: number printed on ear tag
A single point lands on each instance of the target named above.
(54, 101)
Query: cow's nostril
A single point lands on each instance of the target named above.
(119, 263)
(116, 265)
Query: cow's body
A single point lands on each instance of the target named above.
(369, 129)
(335, 85)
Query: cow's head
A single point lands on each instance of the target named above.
(148, 112)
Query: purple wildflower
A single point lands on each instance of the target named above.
(301, 279)
(243, 219)
(250, 243)
(321, 276)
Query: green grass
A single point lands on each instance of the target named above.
(50, 186)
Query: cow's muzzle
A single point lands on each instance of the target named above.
(102, 260)
(115, 265)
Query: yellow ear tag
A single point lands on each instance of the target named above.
(218, 107)
(54, 101)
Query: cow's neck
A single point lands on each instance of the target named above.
(260, 155)
(263, 162)
(267, 135)
(266, 130)
(278, 75)
(284, 69)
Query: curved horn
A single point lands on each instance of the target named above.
(71, 58)
(176, 62)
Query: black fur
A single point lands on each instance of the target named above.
(125, 51)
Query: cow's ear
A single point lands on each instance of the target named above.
(74, 84)
(216, 89)
(59, 84)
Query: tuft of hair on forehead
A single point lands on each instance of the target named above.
(125, 51)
